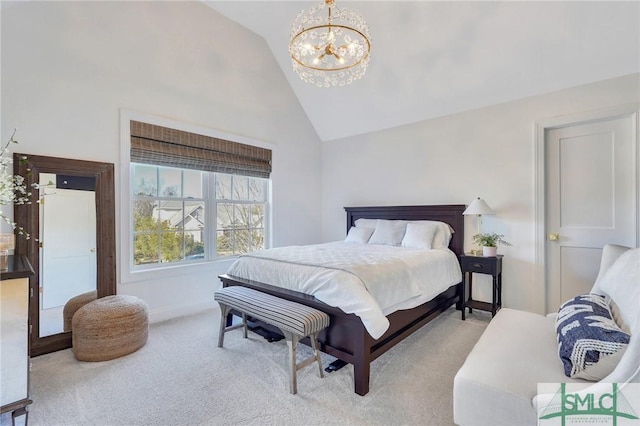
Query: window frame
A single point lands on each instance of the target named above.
(132, 273)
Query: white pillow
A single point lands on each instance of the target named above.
(442, 238)
(621, 282)
(366, 223)
(420, 235)
(358, 235)
(443, 234)
(388, 232)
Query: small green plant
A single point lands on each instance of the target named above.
(490, 240)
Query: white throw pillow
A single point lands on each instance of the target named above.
(366, 223)
(388, 232)
(621, 282)
(420, 235)
(358, 235)
(443, 234)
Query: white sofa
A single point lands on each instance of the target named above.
(497, 384)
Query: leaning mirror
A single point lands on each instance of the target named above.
(71, 221)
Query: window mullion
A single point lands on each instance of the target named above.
(158, 233)
(211, 215)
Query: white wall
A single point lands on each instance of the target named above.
(487, 152)
(68, 68)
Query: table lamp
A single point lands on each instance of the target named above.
(478, 207)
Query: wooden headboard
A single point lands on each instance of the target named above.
(451, 214)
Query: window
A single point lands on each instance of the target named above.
(240, 214)
(168, 214)
(194, 197)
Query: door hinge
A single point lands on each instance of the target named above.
(31, 292)
(41, 244)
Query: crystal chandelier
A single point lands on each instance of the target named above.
(329, 46)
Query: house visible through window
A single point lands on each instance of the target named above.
(183, 209)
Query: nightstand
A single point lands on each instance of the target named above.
(481, 265)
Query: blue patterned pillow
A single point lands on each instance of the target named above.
(590, 343)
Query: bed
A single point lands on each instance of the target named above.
(347, 338)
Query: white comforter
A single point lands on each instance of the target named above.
(368, 280)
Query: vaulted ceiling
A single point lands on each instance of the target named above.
(434, 58)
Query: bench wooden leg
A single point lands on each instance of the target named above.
(244, 325)
(22, 411)
(292, 342)
(224, 309)
(294, 366)
(314, 346)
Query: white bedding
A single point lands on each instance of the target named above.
(368, 280)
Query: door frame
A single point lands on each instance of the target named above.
(539, 129)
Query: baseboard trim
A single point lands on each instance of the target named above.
(160, 315)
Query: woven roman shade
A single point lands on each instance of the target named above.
(162, 146)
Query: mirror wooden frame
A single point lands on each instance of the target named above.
(27, 216)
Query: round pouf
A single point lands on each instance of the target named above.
(110, 327)
(74, 304)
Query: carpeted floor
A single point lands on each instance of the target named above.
(181, 377)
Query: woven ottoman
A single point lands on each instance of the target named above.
(110, 327)
(74, 304)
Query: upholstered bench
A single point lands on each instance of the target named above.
(109, 327)
(293, 319)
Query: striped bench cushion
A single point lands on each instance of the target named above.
(289, 316)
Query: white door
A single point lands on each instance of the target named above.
(590, 201)
(69, 246)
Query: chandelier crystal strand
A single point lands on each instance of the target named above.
(329, 46)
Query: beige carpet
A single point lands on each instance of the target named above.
(182, 378)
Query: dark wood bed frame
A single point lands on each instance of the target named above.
(346, 337)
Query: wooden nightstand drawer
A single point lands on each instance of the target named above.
(479, 265)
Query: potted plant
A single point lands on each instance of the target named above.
(489, 243)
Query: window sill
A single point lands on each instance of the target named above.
(175, 270)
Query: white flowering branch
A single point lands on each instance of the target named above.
(13, 189)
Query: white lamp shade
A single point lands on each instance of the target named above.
(478, 207)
